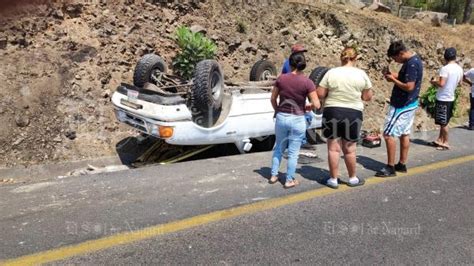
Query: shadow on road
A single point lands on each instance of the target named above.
(369, 163)
(422, 142)
(314, 174)
(265, 172)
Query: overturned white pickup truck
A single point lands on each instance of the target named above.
(205, 110)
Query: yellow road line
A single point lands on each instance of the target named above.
(154, 231)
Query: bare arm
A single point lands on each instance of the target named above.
(438, 83)
(322, 92)
(313, 97)
(467, 80)
(409, 86)
(367, 95)
(274, 97)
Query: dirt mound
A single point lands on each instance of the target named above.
(61, 63)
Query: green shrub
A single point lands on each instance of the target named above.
(194, 47)
(428, 100)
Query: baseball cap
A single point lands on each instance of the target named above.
(450, 53)
(297, 48)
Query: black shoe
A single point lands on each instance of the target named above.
(402, 168)
(386, 171)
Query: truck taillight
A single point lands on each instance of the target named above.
(166, 132)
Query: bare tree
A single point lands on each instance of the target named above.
(467, 11)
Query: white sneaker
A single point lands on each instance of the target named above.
(332, 183)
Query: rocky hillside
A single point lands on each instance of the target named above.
(61, 62)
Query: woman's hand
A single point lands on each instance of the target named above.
(367, 94)
(315, 103)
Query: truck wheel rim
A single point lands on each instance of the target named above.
(156, 76)
(216, 85)
(265, 74)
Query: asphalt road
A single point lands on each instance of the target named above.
(424, 217)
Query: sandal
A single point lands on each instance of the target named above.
(291, 183)
(435, 144)
(361, 182)
(273, 180)
(442, 148)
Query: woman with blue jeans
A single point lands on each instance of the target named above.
(291, 91)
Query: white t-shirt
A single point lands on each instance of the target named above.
(453, 74)
(345, 85)
(470, 75)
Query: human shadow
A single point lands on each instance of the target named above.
(307, 172)
(422, 142)
(314, 174)
(369, 163)
(266, 172)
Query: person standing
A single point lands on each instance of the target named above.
(469, 79)
(403, 105)
(295, 49)
(345, 88)
(289, 102)
(450, 76)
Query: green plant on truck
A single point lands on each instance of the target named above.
(428, 100)
(194, 47)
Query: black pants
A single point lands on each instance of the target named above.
(471, 112)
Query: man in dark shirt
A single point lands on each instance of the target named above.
(403, 105)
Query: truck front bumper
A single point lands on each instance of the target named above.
(145, 125)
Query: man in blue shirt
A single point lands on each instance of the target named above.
(296, 48)
(403, 105)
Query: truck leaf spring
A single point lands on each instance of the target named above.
(164, 153)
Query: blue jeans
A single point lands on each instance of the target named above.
(289, 132)
(309, 119)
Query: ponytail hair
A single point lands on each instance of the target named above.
(348, 54)
(298, 61)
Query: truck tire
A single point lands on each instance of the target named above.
(145, 68)
(317, 74)
(261, 70)
(207, 92)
